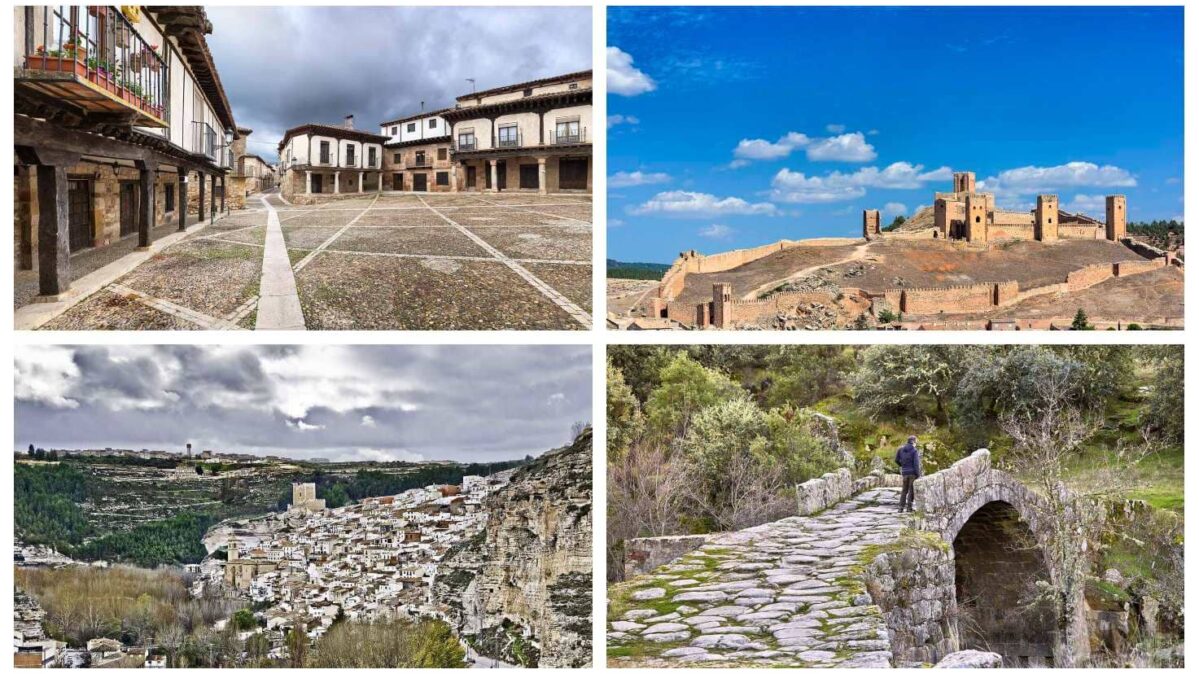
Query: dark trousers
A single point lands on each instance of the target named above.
(909, 492)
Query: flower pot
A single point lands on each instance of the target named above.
(56, 64)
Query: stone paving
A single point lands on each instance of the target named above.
(783, 594)
(376, 261)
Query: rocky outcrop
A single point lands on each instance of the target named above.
(970, 660)
(520, 591)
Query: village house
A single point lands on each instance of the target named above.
(533, 136)
(416, 156)
(251, 174)
(121, 128)
(317, 159)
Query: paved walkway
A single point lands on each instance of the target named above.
(783, 594)
(278, 301)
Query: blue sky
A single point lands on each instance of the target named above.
(735, 127)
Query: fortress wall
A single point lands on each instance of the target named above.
(1139, 266)
(672, 281)
(1006, 292)
(1080, 232)
(1010, 232)
(683, 312)
(952, 299)
(1088, 276)
(1013, 218)
(695, 263)
(750, 310)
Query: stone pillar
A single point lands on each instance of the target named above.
(541, 187)
(361, 181)
(200, 202)
(146, 171)
(307, 182)
(337, 182)
(495, 177)
(53, 228)
(181, 206)
(454, 177)
(379, 183)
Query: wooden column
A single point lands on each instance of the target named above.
(224, 208)
(212, 197)
(53, 229)
(200, 201)
(24, 195)
(181, 206)
(146, 171)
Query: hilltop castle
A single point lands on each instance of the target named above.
(968, 215)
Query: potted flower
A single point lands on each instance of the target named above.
(100, 73)
(55, 61)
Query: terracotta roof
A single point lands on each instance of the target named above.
(526, 85)
(409, 118)
(561, 97)
(331, 131)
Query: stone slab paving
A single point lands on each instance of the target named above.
(278, 300)
(783, 594)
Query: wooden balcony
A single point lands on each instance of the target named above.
(91, 63)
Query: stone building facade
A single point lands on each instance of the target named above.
(106, 148)
(416, 156)
(533, 136)
(317, 160)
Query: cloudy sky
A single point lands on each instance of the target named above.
(286, 66)
(470, 403)
(718, 142)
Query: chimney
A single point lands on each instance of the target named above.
(349, 122)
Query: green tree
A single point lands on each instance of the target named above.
(243, 620)
(1166, 403)
(686, 388)
(1080, 321)
(801, 376)
(895, 378)
(625, 421)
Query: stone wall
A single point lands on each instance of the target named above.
(1139, 267)
(822, 492)
(951, 299)
(642, 555)
(1080, 279)
(1079, 232)
(912, 581)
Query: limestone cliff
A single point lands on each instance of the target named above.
(520, 591)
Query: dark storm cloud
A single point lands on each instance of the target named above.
(343, 403)
(286, 66)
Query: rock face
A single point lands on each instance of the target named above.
(970, 660)
(520, 592)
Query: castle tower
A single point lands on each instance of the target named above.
(976, 218)
(1117, 217)
(722, 296)
(1046, 218)
(189, 451)
(963, 181)
(871, 224)
(941, 218)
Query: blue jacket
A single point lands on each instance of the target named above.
(908, 458)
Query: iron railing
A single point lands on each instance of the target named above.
(509, 141)
(204, 140)
(466, 146)
(98, 44)
(351, 160)
(574, 137)
(420, 162)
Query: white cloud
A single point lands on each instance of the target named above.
(301, 425)
(699, 204)
(835, 128)
(615, 120)
(1033, 179)
(623, 78)
(635, 178)
(45, 375)
(368, 421)
(715, 231)
(556, 399)
(846, 147)
(794, 187)
(893, 208)
(760, 149)
(1090, 204)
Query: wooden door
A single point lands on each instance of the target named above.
(420, 182)
(471, 176)
(501, 177)
(528, 176)
(129, 207)
(316, 183)
(572, 174)
(397, 182)
(79, 200)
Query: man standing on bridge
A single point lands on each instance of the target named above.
(908, 458)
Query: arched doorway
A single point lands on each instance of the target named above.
(1000, 578)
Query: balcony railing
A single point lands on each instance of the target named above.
(465, 146)
(96, 48)
(351, 161)
(372, 162)
(204, 140)
(422, 162)
(580, 136)
(509, 141)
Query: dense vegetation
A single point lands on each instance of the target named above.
(704, 438)
(642, 271)
(391, 644)
(338, 490)
(1165, 234)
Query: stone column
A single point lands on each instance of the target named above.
(200, 202)
(337, 182)
(181, 205)
(495, 177)
(361, 181)
(53, 226)
(307, 182)
(541, 187)
(379, 184)
(454, 177)
(146, 171)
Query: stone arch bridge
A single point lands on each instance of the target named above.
(850, 582)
